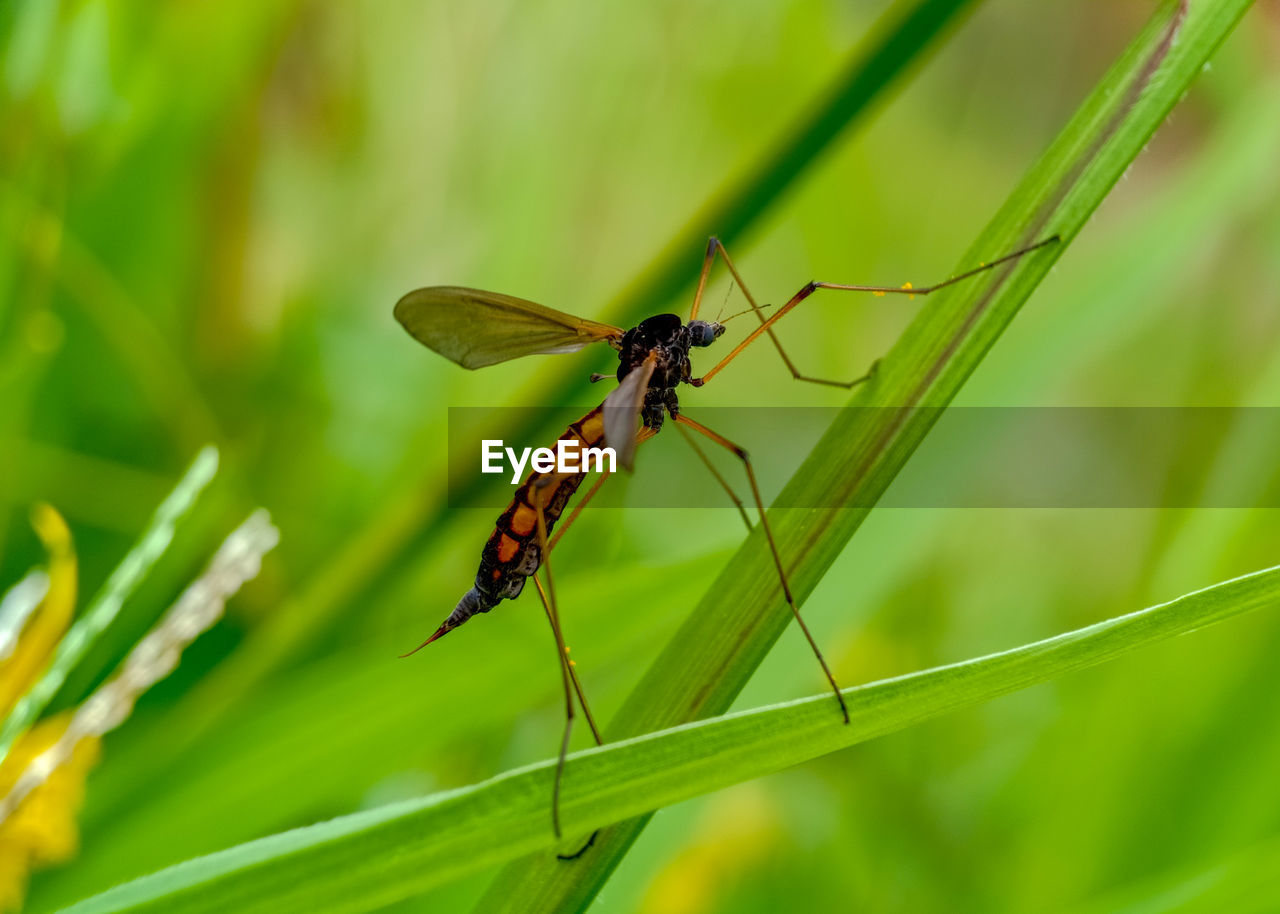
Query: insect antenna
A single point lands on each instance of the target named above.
(724, 304)
(740, 313)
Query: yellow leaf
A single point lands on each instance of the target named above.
(42, 830)
(50, 619)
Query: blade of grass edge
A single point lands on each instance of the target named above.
(728, 634)
(107, 602)
(370, 859)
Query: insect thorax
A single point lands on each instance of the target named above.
(668, 337)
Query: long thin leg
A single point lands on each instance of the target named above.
(571, 667)
(773, 548)
(766, 325)
(554, 618)
(642, 436)
(715, 247)
(724, 483)
(577, 509)
(568, 672)
(567, 666)
(567, 676)
(548, 602)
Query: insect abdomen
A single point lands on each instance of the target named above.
(512, 552)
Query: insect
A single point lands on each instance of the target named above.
(475, 328)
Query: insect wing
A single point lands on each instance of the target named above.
(622, 408)
(475, 328)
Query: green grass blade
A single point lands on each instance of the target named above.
(107, 602)
(726, 637)
(370, 859)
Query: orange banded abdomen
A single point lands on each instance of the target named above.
(512, 552)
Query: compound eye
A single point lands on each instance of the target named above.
(704, 333)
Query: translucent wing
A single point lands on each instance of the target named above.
(475, 328)
(622, 408)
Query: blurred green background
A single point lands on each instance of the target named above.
(207, 212)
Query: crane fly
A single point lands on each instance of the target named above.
(475, 328)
